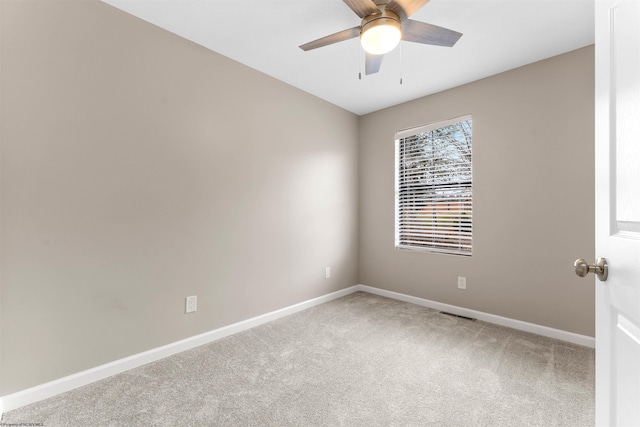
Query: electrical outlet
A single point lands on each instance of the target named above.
(327, 272)
(462, 282)
(191, 304)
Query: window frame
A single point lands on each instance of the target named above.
(400, 136)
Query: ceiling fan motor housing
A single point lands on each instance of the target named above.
(385, 17)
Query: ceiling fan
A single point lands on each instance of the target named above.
(384, 24)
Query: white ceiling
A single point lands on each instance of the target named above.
(498, 35)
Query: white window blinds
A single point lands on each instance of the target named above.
(434, 187)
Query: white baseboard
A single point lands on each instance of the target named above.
(490, 318)
(68, 383)
(44, 391)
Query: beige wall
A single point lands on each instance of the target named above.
(139, 168)
(533, 148)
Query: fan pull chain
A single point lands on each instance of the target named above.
(400, 46)
(360, 59)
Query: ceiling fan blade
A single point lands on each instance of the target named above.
(362, 8)
(372, 63)
(405, 8)
(331, 39)
(421, 32)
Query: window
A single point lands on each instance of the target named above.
(433, 187)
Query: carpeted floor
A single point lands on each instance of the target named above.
(361, 360)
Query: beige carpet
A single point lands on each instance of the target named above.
(361, 360)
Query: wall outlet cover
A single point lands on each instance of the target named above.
(191, 304)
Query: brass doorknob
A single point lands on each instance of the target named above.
(600, 268)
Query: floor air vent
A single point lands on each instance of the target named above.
(457, 315)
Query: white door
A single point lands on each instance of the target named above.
(618, 212)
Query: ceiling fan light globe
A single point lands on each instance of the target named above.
(380, 36)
